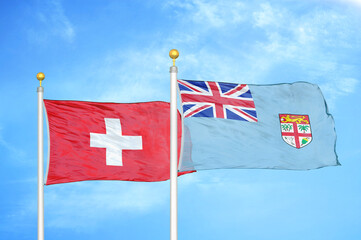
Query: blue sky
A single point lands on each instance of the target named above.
(118, 51)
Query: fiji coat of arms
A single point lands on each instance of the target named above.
(296, 129)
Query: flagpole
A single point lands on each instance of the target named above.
(40, 76)
(173, 148)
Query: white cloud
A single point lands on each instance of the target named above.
(12, 149)
(356, 3)
(283, 37)
(84, 205)
(267, 16)
(53, 22)
(211, 14)
(348, 85)
(135, 76)
(131, 75)
(335, 88)
(226, 186)
(311, 42)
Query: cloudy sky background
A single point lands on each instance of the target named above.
(118, 51)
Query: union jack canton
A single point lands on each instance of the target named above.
(217, 100)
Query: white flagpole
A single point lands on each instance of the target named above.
(173, 148)
(40, 76)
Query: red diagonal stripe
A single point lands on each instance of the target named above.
(197, 110)
(248, 115)
(189, 86)
(239, 88)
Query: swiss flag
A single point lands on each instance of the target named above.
(108, 141)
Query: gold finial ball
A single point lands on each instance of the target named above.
(40, 76)
(173, 53)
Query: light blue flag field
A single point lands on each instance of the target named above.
(281, 126)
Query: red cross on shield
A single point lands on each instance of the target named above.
(296, 129)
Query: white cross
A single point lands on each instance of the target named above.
(115, 142)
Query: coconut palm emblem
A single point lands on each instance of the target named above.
(296, 129)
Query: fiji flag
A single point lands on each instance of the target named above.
(282, 126)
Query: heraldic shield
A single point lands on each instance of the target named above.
(296, 129)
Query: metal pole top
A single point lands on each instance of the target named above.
(40, 76)
(173, 54)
